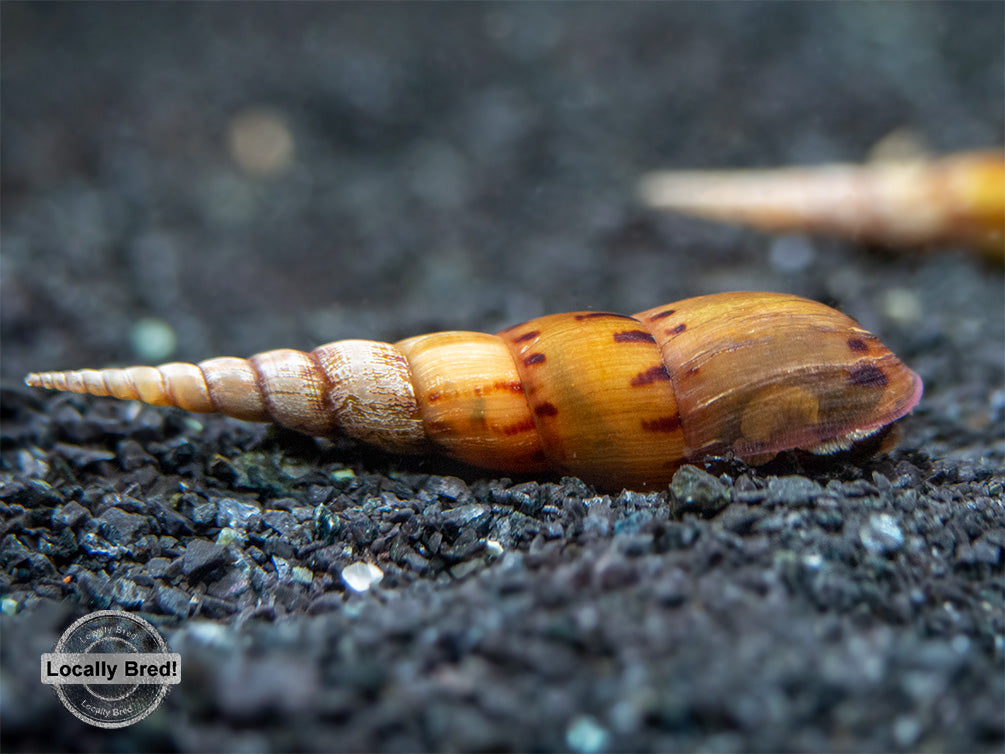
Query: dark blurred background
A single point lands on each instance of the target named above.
(188, 180)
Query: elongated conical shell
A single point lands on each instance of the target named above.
(616, 400)
(959, 199)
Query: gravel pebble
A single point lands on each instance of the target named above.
(201, 558)
(121, 527)
(882, 534)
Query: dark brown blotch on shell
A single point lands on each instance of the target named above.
(522, 426)
(546, 409)
(657, 373)
(867, 375)
(634, 336)
(662, 315)
(662, 424)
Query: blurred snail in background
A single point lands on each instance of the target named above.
(903, 202)
(619, 401)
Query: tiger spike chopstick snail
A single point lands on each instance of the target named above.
(958, 199)
(616, 400)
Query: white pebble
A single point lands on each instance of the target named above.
(791, 254)
(228, 535)
(152, 339)
(361, 576)
(208, 634)
(882, 534)
(586, 736)
(260, 141)
(902, 305)
(493, 547)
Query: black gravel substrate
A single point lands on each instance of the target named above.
(470, 167)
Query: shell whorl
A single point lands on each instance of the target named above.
(357, 387)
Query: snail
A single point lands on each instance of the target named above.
(619, 401)
(958, 199)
